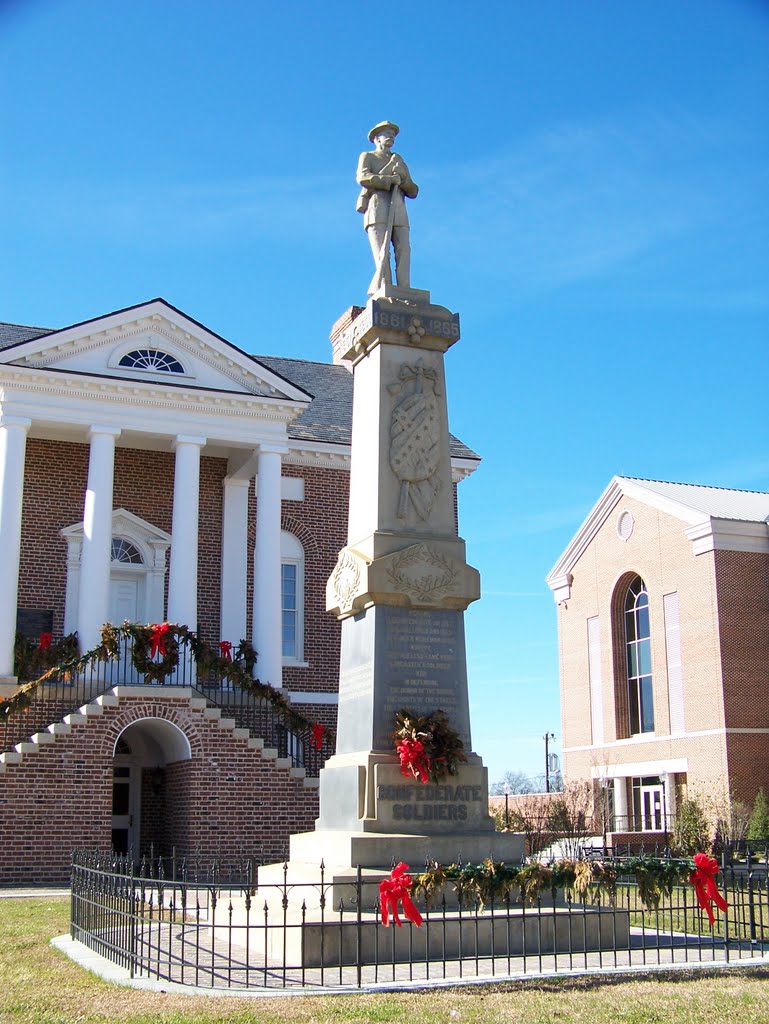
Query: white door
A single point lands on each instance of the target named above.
(125, 807)
(123, 599)
(652, 799)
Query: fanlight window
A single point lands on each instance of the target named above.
(151, 359)
(126, 552)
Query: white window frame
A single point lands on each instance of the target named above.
(292, 553)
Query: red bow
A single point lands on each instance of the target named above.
(394, 890)
(318, 732)
(413, 759)
(46, 639)
(703, 880)
(158, 639)
(225, 650)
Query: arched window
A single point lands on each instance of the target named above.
(125, 552)
(292, 596)
(151, 359)
(639, 658)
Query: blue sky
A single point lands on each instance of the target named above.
(594, 204)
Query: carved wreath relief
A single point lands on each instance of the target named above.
(415, 435)
(345, 579)
(423, 573)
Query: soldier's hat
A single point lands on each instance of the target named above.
(378, 128)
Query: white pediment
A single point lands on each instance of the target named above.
(152, 343)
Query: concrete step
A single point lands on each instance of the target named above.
(284, 762)
(212, 713)
(11, 757)
(43, 737)
(27, 747)
(75, 718)
(59, 729)
(91, 710)
(227, 723)
(297, 773)
(198, 703)
(108, 700)
(240, 733)
(270, 753)
(256, 742)
(311, 782)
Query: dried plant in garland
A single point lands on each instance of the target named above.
(428, 748)
(155, 654)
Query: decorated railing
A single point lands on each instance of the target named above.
(239, 926)
(59, 680)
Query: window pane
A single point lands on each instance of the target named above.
(644, 649)
(643, 622)
(632, 661)
(634, 709)
(630, 626)
(647, 706)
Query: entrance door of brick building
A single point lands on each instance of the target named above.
(649, 804)
(123, 598)
(125, 804)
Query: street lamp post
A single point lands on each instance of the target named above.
(507, 806)
(548, 736)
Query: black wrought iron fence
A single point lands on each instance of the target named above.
(67, 691)
(269, 929)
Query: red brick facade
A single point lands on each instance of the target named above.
(229, 801)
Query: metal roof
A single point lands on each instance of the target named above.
(712, 502)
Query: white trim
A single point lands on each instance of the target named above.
(308, 697)
(666, 766)
(158, 317)
(728, 535)
(646, 737)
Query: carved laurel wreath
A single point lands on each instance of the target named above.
(429, 584)
(346, 579)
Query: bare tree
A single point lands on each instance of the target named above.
(513, 782)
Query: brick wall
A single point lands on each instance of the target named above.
(226, 802)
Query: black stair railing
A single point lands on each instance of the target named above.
(66, 691)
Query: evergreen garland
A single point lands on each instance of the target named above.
(63, 659)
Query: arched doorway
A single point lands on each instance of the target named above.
(149, 764)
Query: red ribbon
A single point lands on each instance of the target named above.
(318, 732)
(413, 759)
(395, 890)
(703, 878)
(46, 639)
(158, 639)
(225, 650)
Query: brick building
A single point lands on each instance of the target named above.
(149, 471)
(663, 622)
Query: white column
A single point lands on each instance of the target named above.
(234, 560)
(183, 574)
(93, 602)
(267, 631)
(621, 820)
(13, 447)
(668, 780)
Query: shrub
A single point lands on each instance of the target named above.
(691, 833)
(758, 826)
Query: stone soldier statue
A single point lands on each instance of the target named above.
(385, 181)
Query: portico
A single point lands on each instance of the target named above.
(76, 386)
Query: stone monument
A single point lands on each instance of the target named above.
(402, 583)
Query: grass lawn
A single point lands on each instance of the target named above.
(41, 985)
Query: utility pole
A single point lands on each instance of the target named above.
(548, 736)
